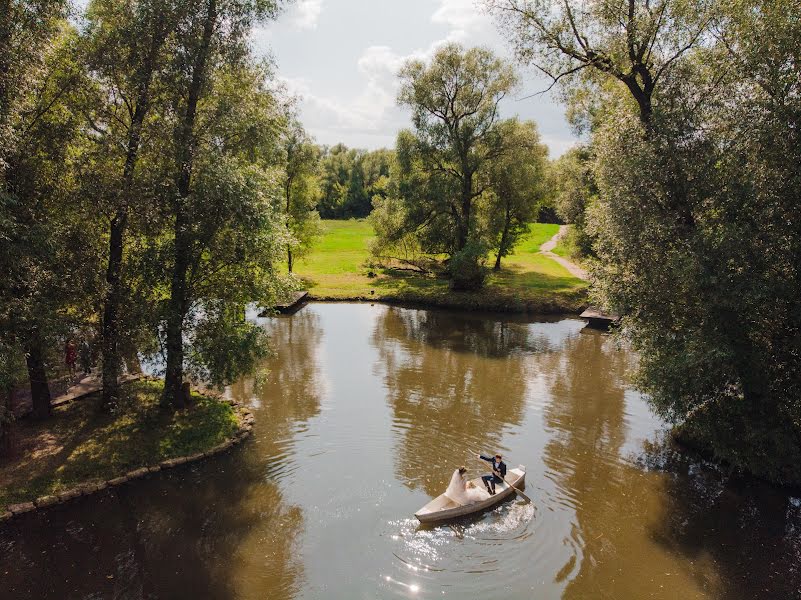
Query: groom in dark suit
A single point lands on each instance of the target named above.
(498, 472)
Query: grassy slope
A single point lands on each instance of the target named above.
(79, 444)
(528, 280)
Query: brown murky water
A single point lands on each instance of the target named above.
(361, 419)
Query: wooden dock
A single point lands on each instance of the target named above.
(597, 319)
(289, 305)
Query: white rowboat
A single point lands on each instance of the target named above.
(443, 508)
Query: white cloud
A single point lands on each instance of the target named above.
(462, 17)
(305, 14)
(374, 109)
(359, 107)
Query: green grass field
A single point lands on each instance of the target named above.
(337, 269)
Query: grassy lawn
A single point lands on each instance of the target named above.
(337, 269)
(79, 444)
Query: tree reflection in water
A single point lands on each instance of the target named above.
(287, 393)
(639, 515)
(455, 382)
(218, 529)
(193, 532)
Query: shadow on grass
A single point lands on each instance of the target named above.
(80, 443)
(515, 276)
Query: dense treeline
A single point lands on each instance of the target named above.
(152, 182)
(350, 179)
(687, 194)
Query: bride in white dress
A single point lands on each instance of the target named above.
(459, 491)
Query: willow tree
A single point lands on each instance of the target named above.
(43, 287)
(207, 214)
(575, 191)
(517, 184)
(455, 114)
(26, 28)
(695, 222)
(635, 42)
(126, 49)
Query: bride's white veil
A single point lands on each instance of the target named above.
(455, 489)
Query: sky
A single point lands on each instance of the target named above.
(341, 58)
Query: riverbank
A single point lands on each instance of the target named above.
(80, 449)
(338, 269)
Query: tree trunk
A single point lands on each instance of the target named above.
(110, 326)
(131, 359)
(288, 193)
(176, 316)
(37, 375)
(111, 359)
(179, 292)
(6, 421)
(504, 238)
(464, 221)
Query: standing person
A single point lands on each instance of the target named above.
(70, 356)
(86, 357)
(498, 472)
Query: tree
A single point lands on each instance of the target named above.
(695, 223)
(575, 192)
(518, 185)
(454, 102)
(224, 134)
(349, 179)
(125, 50)
(11, 371)
(43, 288)
(27, 31)
(634, 41)
(300, 191)
(26, 28)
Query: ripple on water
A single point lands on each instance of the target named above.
(436, 557)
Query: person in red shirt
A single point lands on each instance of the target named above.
(70, 356)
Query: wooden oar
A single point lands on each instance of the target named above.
(521, 494)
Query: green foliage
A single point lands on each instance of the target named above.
(48, 265)
(27, 28)
(144, 176)
(350, 179)
(517, 187)
(695, 149)
(575, 191)
(467, 267)
(442, 167)
(300, 191)
(223, 347)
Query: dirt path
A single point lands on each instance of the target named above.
(547, 250)
(63, 391)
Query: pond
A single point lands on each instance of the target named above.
(362, 415)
